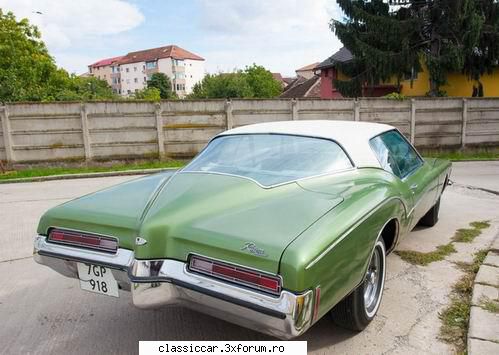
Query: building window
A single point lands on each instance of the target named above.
(143, 67)
(151, 65)
(134, 68)
(129, 91)
(136, 80)
(145, 79)
(127, 70)
(412, 75)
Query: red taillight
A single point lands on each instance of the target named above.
(83, 240)
(236, 274)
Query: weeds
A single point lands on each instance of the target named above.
(419, 258)
(467, 235)
(455, 318)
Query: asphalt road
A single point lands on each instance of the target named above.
(43, 312)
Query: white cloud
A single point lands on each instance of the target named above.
(280, 34)
(68, 24)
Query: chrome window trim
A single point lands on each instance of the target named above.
(270, 186)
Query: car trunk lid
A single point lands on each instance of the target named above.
(228, 218)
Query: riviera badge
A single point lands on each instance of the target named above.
(253, 249)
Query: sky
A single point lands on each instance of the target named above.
(281, 35)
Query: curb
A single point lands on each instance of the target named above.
(87, 175)
(483, 337)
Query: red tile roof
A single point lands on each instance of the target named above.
(146, 55)
(104, 62)
(308, 67)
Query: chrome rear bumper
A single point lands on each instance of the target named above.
(156, 283)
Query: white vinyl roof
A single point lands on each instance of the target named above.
(352, 136)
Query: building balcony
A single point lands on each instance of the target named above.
(178, 68)
(150, 71)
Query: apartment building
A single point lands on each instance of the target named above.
(103, 69)
(131, 72)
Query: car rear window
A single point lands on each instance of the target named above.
(271, 159)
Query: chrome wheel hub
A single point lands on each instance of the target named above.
(373, 281)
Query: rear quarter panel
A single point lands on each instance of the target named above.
(333, 254)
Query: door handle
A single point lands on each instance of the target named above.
(413, 187)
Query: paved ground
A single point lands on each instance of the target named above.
(42, 312)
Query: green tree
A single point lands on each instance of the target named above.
(161, 82)
(391, 41)
(262, 82)
(151, 94)
(26, 68)
(29, 73)
(254, 82)
(222, 85)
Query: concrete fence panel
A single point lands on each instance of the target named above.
(105, 130)
(247, 112)
(188, 125)
(326, 110)
(482, 122)
(439, 122)
(392, 112)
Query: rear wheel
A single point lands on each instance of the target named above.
(431, 217)
(358, 309)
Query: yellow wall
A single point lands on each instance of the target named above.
(458, 85)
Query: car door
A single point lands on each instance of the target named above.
(397, 155)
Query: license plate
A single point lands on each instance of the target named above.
(98, 279)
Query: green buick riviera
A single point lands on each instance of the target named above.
(272, 226)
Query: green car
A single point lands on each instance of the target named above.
(272, 226)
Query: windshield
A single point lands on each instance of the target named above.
(270, 159)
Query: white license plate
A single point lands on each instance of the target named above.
(98, 279)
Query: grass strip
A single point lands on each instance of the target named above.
(460, 155)
(62, 170)
(455, 317)
(467, 235)
(423, 259)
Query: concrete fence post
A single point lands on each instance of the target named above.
(229, 117)
(413, 121)
(6, 131)
(465, 123)
(356, 110)
(294, 110)
(158, 112)
(84, 131)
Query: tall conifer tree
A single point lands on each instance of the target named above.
(390, 39)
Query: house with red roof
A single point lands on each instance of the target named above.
(130, 73)
(103, 69)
